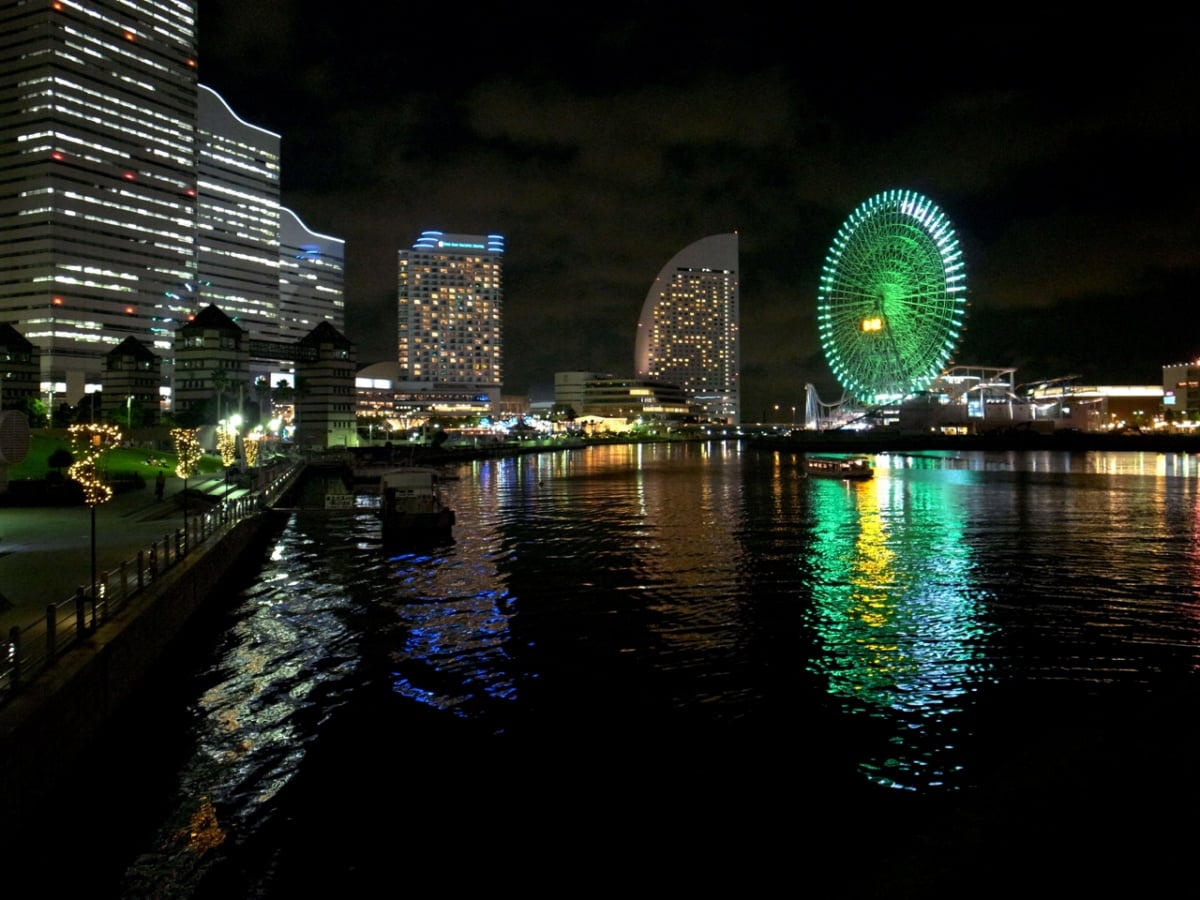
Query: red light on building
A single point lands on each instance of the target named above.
(57, 156)
(128, 176)
(191, 192)
(56, 6)
(57, 301)
(129, 36)
(129, 310)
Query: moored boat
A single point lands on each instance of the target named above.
(412, 506)
(854, 468)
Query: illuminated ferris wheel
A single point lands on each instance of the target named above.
(892, 297)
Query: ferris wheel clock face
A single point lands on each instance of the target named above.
(892, 297)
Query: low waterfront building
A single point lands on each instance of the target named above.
(133, 385)
(982, 400)
(610, 397)
(1181, 393)
(20, 368)
(325, 392)
(211, 360)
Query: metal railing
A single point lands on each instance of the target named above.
(29, 650)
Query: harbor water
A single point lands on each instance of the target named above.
(692, 665)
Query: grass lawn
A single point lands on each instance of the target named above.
(114, 463)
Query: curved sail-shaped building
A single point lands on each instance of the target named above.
(688, 331)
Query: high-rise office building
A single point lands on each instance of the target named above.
(451, 318)
(237, 238)
(688, 332)
(311, 279)
(132, 198)
(256, 260)
(97, 176)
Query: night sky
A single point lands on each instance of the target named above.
(601, 141)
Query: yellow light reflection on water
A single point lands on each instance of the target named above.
(895, 615)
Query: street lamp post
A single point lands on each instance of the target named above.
(89, 442)
(92, 592)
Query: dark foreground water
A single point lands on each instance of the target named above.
(688, 668)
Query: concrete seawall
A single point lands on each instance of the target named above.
(46, 729)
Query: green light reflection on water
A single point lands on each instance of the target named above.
(896, 617)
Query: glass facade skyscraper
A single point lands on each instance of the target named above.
(97, 176)
(237, 239)
(311, 277)
(132, 197)
(688, 331)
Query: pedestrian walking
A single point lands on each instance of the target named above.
(160, 484)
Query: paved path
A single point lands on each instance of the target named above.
(46, 552)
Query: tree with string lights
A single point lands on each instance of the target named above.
(89, 442)
(187, 456)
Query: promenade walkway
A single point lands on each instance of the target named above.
(46, 552)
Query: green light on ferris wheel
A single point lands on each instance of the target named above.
(891, 296)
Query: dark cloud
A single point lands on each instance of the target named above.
(602, 143)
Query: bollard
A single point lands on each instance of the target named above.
(141, 569)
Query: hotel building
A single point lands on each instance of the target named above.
(688, 331)
(450, 312)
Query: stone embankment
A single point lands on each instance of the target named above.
(47, 726)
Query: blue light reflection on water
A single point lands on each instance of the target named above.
(629, 591)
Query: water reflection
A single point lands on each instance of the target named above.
(897, 617)
(629, 593)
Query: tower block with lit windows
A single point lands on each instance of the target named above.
(688, 331)
(132, 197)
(451, 323)
(97, 185)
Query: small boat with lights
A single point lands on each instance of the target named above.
(412, 507)
(849, 468)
